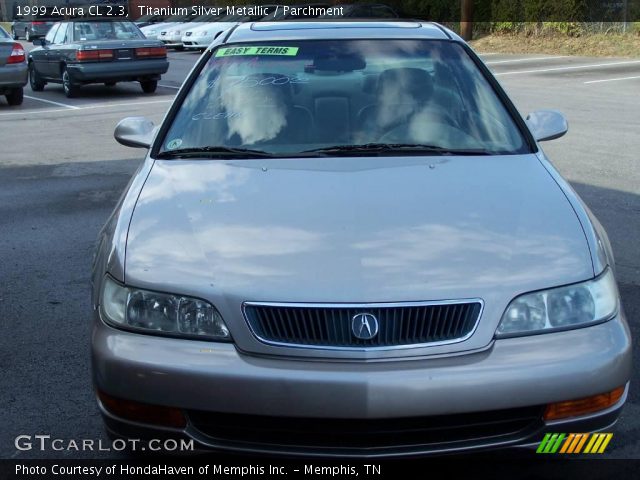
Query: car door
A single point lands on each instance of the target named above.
(57, 51)
(40, 55)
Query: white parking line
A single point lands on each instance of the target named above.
(528, 59)
(573, 67)
(10, 114)
(110, 105)
(612, 79)
(84, 107)
(52, 102)
(168, 86)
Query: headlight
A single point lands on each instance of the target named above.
(561, 308)
(161, 313)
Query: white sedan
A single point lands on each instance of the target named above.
(172, 36)
(201, 36)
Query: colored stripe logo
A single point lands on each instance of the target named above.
(574, 443)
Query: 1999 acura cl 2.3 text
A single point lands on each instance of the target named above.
(344, 240)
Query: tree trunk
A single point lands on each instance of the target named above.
(466, 19)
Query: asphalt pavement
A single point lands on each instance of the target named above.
(61, 173)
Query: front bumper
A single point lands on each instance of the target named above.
(512, 373)
(130, 70)
(171, 41)
(13, 76)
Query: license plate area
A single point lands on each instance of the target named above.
(124, 54)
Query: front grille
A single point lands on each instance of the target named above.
(335, 326)
(415, 433)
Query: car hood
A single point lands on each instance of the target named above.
(213, 26)
(357, 229)
(158, 27)
(382, 229)
(182, 27)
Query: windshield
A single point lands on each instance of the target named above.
(285, 98)
(3, 33)
(105, 30)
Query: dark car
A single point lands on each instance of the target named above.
(13, 69)
(96, 51)
(32, 26)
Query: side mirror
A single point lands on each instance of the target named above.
(547, 124)
(136, 132)
(39, 42)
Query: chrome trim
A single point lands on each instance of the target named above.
(363, 305)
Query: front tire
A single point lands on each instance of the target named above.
(149, 86)
(70, 90)
(37, 84)
(14, 34)
(15, 97)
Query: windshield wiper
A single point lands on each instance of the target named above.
(368, 148)
(214, 152)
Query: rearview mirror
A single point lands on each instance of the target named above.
(547, 124)
(137, 132)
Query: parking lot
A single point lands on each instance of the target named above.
(61, 173)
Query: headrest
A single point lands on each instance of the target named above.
(269, 87)
(411, 81)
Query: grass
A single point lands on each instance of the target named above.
(6, 26)
(593, 45)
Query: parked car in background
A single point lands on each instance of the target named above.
(13, 69)
(172, 35)
(146, 20)
(345, 240)
(365, 10)
(201, 36)
(32, 26)
(96, 51)
(152, 32)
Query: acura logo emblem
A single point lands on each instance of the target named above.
(364, 326)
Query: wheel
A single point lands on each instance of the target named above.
(15, 97)
(27, 35)
(14, 35)
(70, 89)
(149, 86)
(37, 84)
(109, 84)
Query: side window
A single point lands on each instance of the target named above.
(51, 33)
(61, 34)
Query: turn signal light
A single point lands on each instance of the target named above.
(94, 55)
(17, 54)
(143, 412)
(583, 406)
(147, 52)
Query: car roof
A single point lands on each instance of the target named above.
(331, 29)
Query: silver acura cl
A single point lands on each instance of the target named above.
(344, 240)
